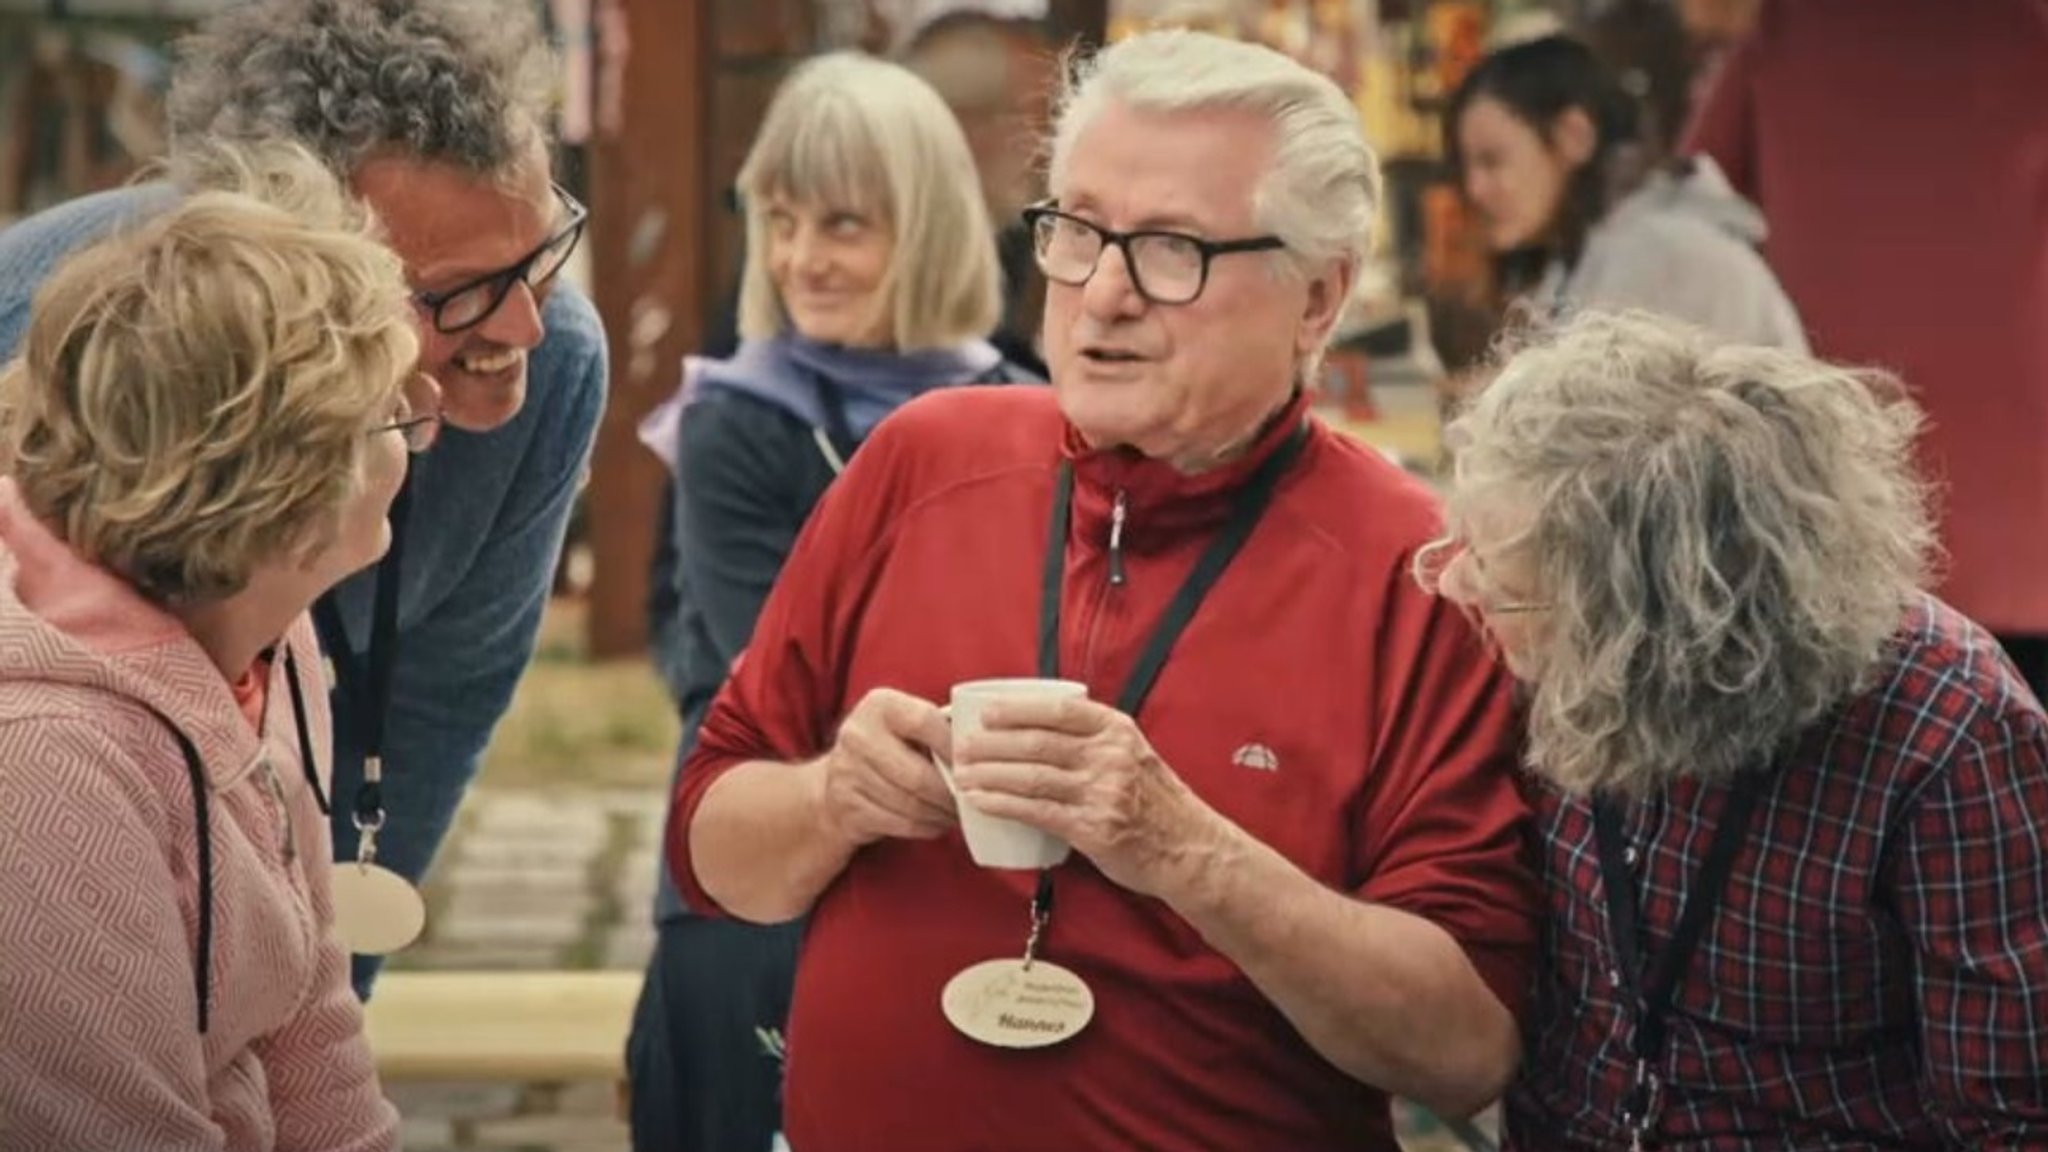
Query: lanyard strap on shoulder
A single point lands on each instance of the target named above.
(368, 683)
(1245, 512)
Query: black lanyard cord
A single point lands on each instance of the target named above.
(291, 678)
(1246, 509)
(196, 770)
(1648, 986)
(369, 687)
(1245, 512)
(837, 428)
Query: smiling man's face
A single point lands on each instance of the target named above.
(451, 226)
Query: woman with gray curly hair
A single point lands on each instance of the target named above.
(1794, 810)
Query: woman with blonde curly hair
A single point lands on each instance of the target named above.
(1794, 812)
(205, 432)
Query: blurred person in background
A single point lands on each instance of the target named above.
(1920, 245)
(871, 278)
(996, 75)
(1793, 810)
(204, 432)
(1646, 47)
(1549, 149)
(436, 113)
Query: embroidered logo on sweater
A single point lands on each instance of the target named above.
(1256, 756)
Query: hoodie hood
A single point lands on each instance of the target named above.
(66, 622)
(77, 641)
(791, 373)
(1699, 190)
(1683, 245)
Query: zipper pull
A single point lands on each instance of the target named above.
(284, 811)
(1117, 513)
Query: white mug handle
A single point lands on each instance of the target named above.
(939, 761)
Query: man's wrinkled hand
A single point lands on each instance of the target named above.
(1082, 771)
(878, 781)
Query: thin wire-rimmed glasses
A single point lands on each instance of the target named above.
(472, 302)
(419, 430)
(1165, 267)
(1433, 558)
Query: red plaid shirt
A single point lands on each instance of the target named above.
(1876, 974)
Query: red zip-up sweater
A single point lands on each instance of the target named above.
(1318, 698)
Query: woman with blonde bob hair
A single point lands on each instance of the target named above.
(871, 153)
(204, 432)
(871, 278)
(1794, 816)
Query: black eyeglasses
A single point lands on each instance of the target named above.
(1165, 267)
(472, 302)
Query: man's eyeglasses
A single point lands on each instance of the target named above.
(471, 303)
(1165, 267)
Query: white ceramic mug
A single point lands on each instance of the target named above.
(993, 841)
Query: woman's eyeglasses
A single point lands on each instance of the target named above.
(419, 432)
(1435, 558)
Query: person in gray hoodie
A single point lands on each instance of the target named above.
(1547, 148)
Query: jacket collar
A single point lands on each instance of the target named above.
(66, 620)
(1161, 503)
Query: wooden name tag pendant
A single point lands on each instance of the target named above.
(1003, 1003)
(375, 911)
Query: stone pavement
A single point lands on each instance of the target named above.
(547, 880)
(534, 880)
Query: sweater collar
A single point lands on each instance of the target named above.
(1161, 503)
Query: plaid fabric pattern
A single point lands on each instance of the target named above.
(1877, 973)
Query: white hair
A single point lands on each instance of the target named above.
(1726, 537)
(1321, 195)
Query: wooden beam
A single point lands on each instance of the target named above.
(1086, 19)
(649, 190)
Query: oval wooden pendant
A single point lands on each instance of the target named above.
(1000, 1002)
(375, 911)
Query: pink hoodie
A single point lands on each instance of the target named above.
(100, 887)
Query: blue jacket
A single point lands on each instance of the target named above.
(749, 468)
(488, 515)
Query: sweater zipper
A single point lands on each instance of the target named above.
(1117, 514)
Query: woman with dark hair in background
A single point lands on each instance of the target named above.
(1548, 147)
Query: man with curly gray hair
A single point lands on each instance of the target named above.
(437, 114)
(1794, 811)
